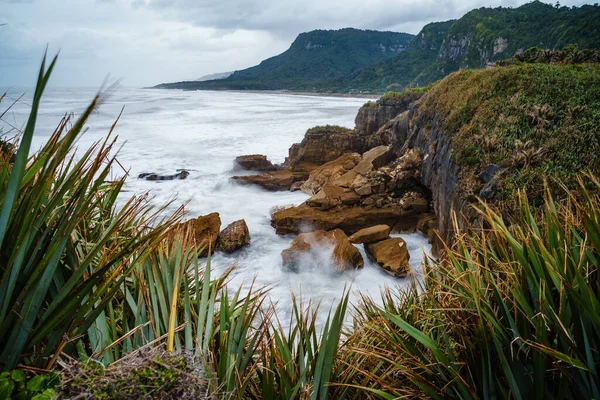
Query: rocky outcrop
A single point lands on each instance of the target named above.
(391, 255)
(372, 116)
(321, 145)
(372, 234)
(308, 247)
(205, 231)
(329, 172)
(349, 219)
(273, 181)
(235, 236)
(254, 162)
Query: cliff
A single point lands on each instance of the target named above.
(477, 135)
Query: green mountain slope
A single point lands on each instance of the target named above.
(312, 57)
(351, 60)
(480, 37)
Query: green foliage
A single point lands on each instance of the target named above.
(64, 247)
(480, 37)
(16, 386)
(510, 312)
(329, 129)
(312, 57)
(535, 120)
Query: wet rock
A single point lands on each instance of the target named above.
(205, 231)
(297, 186)
(372, 234)
(349, 219)
(272, 181)
(254, 162)
(151, 176)
(489, 172)
(425, 223)
(391, 255)
(344, 255)
(233, 237)
(329, 172)
(321, 145)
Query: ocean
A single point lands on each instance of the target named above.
(202, 131)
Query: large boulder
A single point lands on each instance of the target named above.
(233, 237)
(308, 246)
(374, 159)
(273, 181)
(321, 145)
(254, 162)
(349, 219)
(371, 234)
(391, 255)
(205, 231)
(330, 172)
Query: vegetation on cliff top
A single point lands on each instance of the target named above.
(535, 120)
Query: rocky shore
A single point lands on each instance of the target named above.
(393, 173)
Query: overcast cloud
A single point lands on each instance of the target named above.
(145, 42)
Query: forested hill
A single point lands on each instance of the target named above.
(351, 60)
(312, 57)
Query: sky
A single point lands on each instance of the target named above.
(145, 42)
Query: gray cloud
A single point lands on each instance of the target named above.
(151, 41)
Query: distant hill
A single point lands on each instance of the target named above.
(349, 60)
(312, 57)
(212, 77)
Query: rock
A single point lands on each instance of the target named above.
(372, 234)
(329, 172)
(273, 181)
(425, 223)
(205, 231)
(373, 116)
(321, 145)
(374, 159)
(151, 176)
(349, 219)
(297, 186)
(254, 162)
(489, 190)
(233, 237)
(350, 198)
(344, 255)
(489, 172)
(391, 255)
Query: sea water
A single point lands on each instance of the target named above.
(202, 131)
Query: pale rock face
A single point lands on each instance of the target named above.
(500, 44)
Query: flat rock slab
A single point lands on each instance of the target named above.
(350, 219)
(372, 234)
(391, 255)
(273, 181)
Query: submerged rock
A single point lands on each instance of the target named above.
(307, 246)
(391, 255)
(151, 176)
(254, 162)
(233, 237)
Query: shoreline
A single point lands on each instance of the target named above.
(289, 92)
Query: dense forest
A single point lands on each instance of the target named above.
(351, 60)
